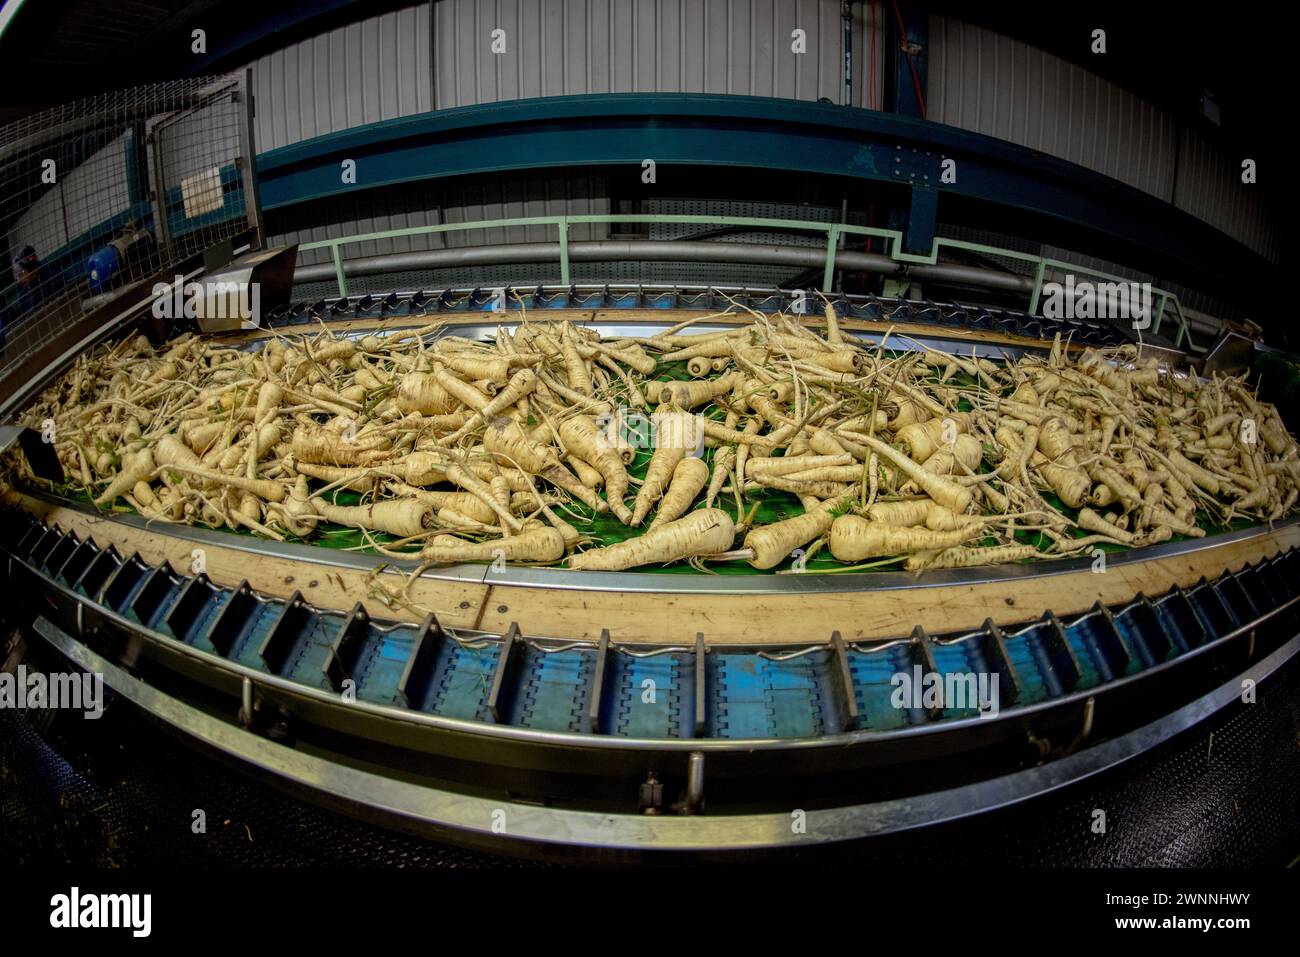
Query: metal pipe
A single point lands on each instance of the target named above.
(650, 250)
(964, 275)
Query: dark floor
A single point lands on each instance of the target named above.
(120, 792)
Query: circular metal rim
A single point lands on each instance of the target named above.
(474, 819)
(294, 689)
(668, 584)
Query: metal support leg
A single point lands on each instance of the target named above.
(1038, 287)
(564, 252)
(832, 241)
(338, 271)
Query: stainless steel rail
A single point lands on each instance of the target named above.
(678, 250)
(92, 614)
(660, 583)
(498, 823)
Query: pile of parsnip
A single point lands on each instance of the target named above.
(443, 449)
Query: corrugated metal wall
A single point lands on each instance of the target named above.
(986, 82)
(413, 60)
(371, 70)
(381, 68)
(1209, 186)
(439, 55)
(566, 47)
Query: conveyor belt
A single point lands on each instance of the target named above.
(682, 691)
(943, 316)
(107, 793)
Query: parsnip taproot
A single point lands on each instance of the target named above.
(507, 442)
(689, 477)
(964, 557)
(404, 518)
(706, 531)
(139, 468)
(262, 488)
(483, 491)
(942, 490)
(658, 474)
(853, 538)
(772, 544)
(521, 384)
(540, 545)
(723, 460)
(785, 465)
(902, 513)
(581, 436)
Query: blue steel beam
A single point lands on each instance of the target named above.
(762, 133)
(922, 217)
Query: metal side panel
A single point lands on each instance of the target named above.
(503, 824)
(526, 702)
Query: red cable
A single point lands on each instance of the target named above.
(916, 80)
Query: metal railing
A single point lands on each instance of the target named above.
(1042, 265)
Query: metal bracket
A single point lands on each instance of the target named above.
(511, 648)
(846, 700)
(701, 677)
(695, 783)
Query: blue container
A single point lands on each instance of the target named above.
(102, 266)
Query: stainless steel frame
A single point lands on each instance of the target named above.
(248, 160)
(500, 823)
(384, 720)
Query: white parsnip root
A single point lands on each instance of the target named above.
(526, 447)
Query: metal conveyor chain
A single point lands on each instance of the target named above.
(872, 308)
(685, 691)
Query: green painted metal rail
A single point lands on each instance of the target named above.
(1164, 299)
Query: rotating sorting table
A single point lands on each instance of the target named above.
(617, 714)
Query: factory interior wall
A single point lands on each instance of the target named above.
(992, 84)
(350, 76)
(438, 55)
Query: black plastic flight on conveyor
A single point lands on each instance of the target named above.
(950, 317)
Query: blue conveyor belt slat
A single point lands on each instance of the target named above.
(747, 694)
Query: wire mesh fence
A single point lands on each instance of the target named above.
(101, 195)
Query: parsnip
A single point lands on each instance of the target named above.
(854, 538)
(542, 545)
(689, 476)
(706, 531)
